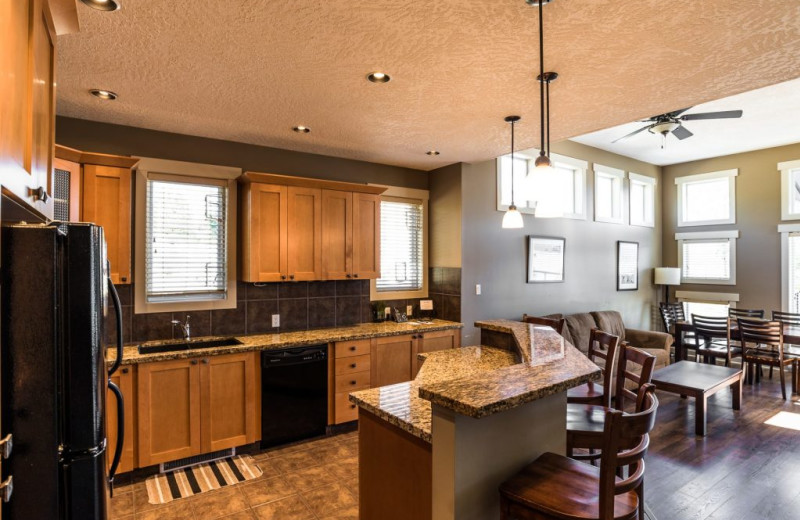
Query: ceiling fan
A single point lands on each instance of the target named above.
(673, 122)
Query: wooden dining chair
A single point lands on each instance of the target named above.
(585, 423)
(745, 313)
(714, 339)
(554, 323)
(602, 346)
(671, 313)
(554, 486)
(762, 344)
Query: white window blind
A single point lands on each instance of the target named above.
(708, 259)
(794, 272)
(401, 245)
(186, 242)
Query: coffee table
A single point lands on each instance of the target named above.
(699, 381)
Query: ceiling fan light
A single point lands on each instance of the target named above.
(513, 218)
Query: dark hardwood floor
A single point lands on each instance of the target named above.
(743, 468)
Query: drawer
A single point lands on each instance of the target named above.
(352, 382)
(351, 365)
(345, 411)
(352, 348)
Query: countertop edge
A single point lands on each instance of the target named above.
(394, 420)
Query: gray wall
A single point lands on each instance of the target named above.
(758, 213)
(496, 258)
(445, 216)
(92, 136)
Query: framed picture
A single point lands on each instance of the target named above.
(627, 266)
(545, 259)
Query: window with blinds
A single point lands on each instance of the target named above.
(401, 245)
(186, 242)
(707, 260)
(793, 271)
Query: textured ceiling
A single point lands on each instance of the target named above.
(250, 70)
(771, 118)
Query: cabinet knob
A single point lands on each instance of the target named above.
(352, 406)
(352, 365)
(125, 370)
(283, 277)
(352, 382)
(353, 348)
(124, 278)
(205, 361)
(193, 362)
(291, 277)
(348, 275)
(355, 276)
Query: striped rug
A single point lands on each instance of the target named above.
(190, 481)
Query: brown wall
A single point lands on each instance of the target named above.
(758, 213)
(125, 140)
(496, 257)
(445, 216)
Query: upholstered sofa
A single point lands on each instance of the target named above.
(579, 326)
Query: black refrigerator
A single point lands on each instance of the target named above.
(54, 294)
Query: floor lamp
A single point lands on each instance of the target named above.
(667, 276)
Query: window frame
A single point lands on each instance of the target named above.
(579, 167)
(682, 182)
(397, 192)
(703, 236)
(179, 171)
(785, 231)
(717, 298)
(618, 178)
(651, 182)
(786, 169)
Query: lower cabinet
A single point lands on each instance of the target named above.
(433, 341)
(191, 406)
(351, 371)
(124, 379)
(392, 359)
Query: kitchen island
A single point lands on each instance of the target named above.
(439, 446)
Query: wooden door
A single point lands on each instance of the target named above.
(305, 233)
(228, 397)
(123, 378)
(69, 200)
(264, 231)
(27, 102)
(337, 234)
(433, 341)
(168, 404)
(392, 360)
(107, 203)
(366, 235)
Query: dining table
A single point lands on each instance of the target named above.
(791, 336)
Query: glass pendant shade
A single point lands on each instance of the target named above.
(512, 219)
(544, 193)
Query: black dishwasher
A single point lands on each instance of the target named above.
(294, 394)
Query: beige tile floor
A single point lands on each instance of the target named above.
(315, 480)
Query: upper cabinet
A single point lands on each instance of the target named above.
(297, 229)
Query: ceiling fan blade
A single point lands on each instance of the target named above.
(728, 114)
(676, 113)
(682, 133)
(642, 129)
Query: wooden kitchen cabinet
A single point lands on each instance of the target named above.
(366, 235)
(350, 235)
(304, 233)
(352, 371)
(392, 359)
(264, 232)
(433, 341)
(192, 406)
(124, 379)
(107, 203)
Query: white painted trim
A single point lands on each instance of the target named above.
(213, 171)
(616, 175)
(608, 170)
(707, 176)
(644, 179)
(786, 169)
(789, 165)
(522, 208)
(707, 296)
(788, 228)
(785, 270)
(709, 235)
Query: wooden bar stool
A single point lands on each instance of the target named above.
(557, 487)
(602, 345)
(554, 323)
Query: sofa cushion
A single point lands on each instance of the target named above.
(564, 333)
(580, 328)
(611, 322)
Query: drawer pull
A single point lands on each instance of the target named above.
(125, 370)
(353, 348)
(7, 488)
(352, 406)
(193, 362)
(352, 365)
(352, 382)
(6, 446)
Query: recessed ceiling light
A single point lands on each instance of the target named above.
(432, 152)
(104, 94)
(103, 5)
(378, 77)
(300, 129)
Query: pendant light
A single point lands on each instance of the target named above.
(545, 197)
(513, 218)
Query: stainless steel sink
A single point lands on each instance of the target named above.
(177, 346)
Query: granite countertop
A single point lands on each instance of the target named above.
(401, 405)
(482, 380)
(131, 354)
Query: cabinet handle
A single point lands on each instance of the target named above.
(353, 365)
(348, 275)
(7, 488)
(6, 445)
(355, 276)
(291, 277)
(283, 277)
(353, 348)
(39, 194)
(125, 370)
(193, 362)
(124, 278)
(205, 361)
(351, 407)
(352, 382)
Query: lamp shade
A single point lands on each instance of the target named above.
(667, 276)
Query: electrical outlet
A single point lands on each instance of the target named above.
(276, 320)
(409, 309)
(478, 289)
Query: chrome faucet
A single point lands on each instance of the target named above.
(185, 327)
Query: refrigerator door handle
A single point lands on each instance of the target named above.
(118, 313)
(120, 435)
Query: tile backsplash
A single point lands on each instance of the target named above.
(301, 306)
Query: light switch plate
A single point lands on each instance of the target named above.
(409, 309)
(276, 320)
(477, 288)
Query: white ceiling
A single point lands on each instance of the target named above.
(771, 118)
(250, 70)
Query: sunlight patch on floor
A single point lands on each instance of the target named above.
(786, 420)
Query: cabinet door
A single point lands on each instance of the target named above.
(107, 203)
(66, 190)
(123, 378)
(27, 101)
(305, 233)
(337, 234)
(168, 410)
(392, 360)
(433, 341)
(228, 401)
(366, 235)
(264, 225)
